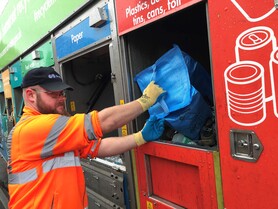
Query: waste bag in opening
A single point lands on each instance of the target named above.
(199, 78)
(190, 120)
(183, 106)
(171, 73)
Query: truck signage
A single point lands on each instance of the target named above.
(18, 17)
(80, 36)
(135, 13)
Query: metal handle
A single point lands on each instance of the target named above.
(245, 145)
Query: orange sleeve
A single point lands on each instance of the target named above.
(92, 149)
(96, 124)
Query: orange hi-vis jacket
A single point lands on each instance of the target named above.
(44, 159)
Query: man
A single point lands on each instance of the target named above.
(45, 145)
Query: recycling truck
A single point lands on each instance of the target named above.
(217, 151)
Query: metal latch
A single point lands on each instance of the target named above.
(276, 4)
(245, 145)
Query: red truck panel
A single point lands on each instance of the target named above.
(244, 60)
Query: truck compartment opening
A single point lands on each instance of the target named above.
(188, 29)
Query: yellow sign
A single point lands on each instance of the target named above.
(6, 84)
(72, 106)
(124, 128)
(122, 102)
(149, 205)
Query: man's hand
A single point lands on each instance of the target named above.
(150, 95)
(152, 130)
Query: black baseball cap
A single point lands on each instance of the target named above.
(45, 77)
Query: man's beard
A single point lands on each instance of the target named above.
(45, 109)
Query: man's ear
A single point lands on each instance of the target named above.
(30, 95)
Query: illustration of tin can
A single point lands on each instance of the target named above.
(245, 92)
(274, 79)
(256, 44)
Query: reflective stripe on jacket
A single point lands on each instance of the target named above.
(44, 159)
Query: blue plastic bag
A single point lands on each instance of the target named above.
(183, 106)
(190, 120)
(171, 73)
(199, 78)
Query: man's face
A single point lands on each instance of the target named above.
(50, 102)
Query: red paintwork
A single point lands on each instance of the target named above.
(245, 184)
(130, 13)
(182, 176)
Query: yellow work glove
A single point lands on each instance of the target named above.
(152, 130)
(139, 138)
(150, 95)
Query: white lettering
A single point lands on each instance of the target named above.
(155, 12)
(77, 37)
(11, 44)
(3, 5)
(138, 20)
(16, 12)
(31, 65)
(8, 24)
(173, 4)
(43, 9)
(53, 76)
(25, 5)
(20, 7)
(154, 2)
(138, 8)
